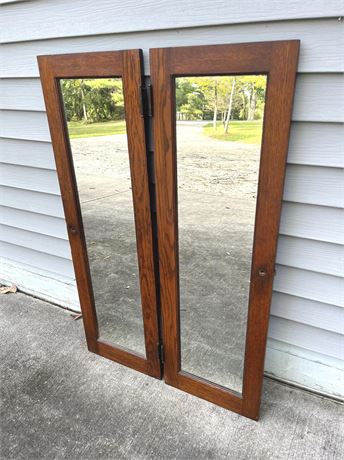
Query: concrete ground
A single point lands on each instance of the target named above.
(60, 401)
(217, 183)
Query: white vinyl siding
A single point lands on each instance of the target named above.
(321, 49)
(42, 19)
(306, 335)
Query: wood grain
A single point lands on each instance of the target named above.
(128, 65)
(278, 60)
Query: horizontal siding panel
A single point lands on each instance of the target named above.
(318, 97)
(42, 203)
(44, 236)
(310, 370)
(300, 335)
(48, 234)
(310, 185)
(5, 2)
(24, 125)
(316, 314)
(60, 266)
(27, 153)
(317, 144)
(33, 222)
(27, 91)
(62, 18)
(44, 285)
(43, 243)
(313, 222)
(304, 221)
(309, 285)
(314, 185)
(35, 179)
(311, 255)
(320, 51)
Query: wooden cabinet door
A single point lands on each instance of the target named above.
(126, 68)
(100, 233)
(277, 61)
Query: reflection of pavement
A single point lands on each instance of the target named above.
(216, 189)
(103, 176)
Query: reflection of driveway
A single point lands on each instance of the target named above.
(204, 159)
(216, 194)
(216, 166)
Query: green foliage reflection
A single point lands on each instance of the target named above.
(93, 100)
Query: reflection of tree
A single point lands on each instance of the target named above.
(83, 102)
(93, 100)
(254, 90)
(225, 98)
(230, 105)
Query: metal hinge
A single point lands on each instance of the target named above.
(161, 352)
(146, 101)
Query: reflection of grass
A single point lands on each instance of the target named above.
(79, 129)
(249, 132)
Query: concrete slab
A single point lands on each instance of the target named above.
(60, 401)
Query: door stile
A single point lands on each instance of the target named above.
(278, 61)
(127, 65)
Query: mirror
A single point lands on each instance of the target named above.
(219, 123)
(95, 116)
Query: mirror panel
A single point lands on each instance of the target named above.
(94, 111)
(219, 129)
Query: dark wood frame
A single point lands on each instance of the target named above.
(127, 65)
(277, 60)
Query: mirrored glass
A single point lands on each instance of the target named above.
(219, 129)
(94, 110)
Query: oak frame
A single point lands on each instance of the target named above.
(278, 60)
(127, 65)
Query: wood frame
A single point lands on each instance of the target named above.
(277, 60)
(127, 65)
